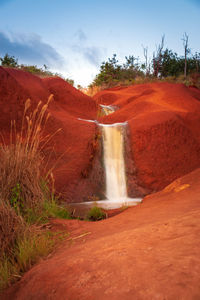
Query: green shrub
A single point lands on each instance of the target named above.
(52, 209)
(9, 61)
(96, 214)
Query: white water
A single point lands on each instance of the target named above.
(113, 149)
(107, 109)
(113, 145)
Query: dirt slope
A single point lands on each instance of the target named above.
(147, 252)
(73, 148)
(162, 142)
(164, 135)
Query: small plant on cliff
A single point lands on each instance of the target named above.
(96, 214)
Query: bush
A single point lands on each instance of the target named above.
(96, 214)
(112, 73)
(9, 61)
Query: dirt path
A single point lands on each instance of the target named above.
(147, 252)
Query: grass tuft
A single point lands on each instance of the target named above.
(28, 249)
(32, 247)
(96, 214)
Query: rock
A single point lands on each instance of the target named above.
(72, 150)
(164, 122)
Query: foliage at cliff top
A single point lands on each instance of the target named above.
(169, 64)
(12, 62)
(164, 63)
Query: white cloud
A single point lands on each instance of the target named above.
(30, 49)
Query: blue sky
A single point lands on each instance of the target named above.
(74, 37)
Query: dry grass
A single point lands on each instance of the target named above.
(29, 248)
(20, 172)
(23, 199)
(11, 226)
(21, 160)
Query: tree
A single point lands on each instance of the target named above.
(112, 73)
(45, 67)
(171, 64)
(130, 62)
(157, 58)
(186, 51)
(9, 61)
(146, 66)
(109, 71)
(197, 61)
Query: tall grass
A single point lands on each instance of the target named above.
(23, 198)
(11, 226)
(21, 160)
(29, 248)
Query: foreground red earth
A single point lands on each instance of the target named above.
(147, 252)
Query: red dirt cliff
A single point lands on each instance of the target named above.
(73, 148)
(164, 122)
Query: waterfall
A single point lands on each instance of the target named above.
(113, 145)
(113, 150)
(107, 109)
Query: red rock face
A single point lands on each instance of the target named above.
(164, 122)
(162, 142)
(72, 150)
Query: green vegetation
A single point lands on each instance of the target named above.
(9, 61)
(165, 65)
(28, 249)
(96, 214)
(173, 65)
(12, 62)
(124, 207)
(111, 73)
(27, 197)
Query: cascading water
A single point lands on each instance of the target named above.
(113, 149)
(107, 109)
(113, 145)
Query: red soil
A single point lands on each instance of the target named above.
(147, 252)
(150, 251)
(72, 149)
(70, 99)
(164, 122)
